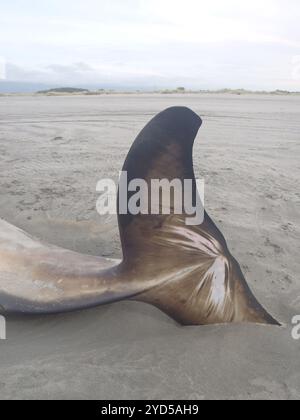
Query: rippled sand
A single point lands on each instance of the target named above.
(53, 150)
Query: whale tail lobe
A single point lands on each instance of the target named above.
(198, 281)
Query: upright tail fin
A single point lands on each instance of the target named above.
(198, 281)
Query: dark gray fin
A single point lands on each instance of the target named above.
(197, 281)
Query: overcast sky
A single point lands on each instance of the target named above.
(252, 44)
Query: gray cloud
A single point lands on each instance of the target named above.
(152, 43)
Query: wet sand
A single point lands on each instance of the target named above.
(53, 150)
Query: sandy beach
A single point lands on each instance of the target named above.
(54, 149)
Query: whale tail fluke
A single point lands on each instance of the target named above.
(199, 282)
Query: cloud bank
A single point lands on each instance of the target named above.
(151, 43)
